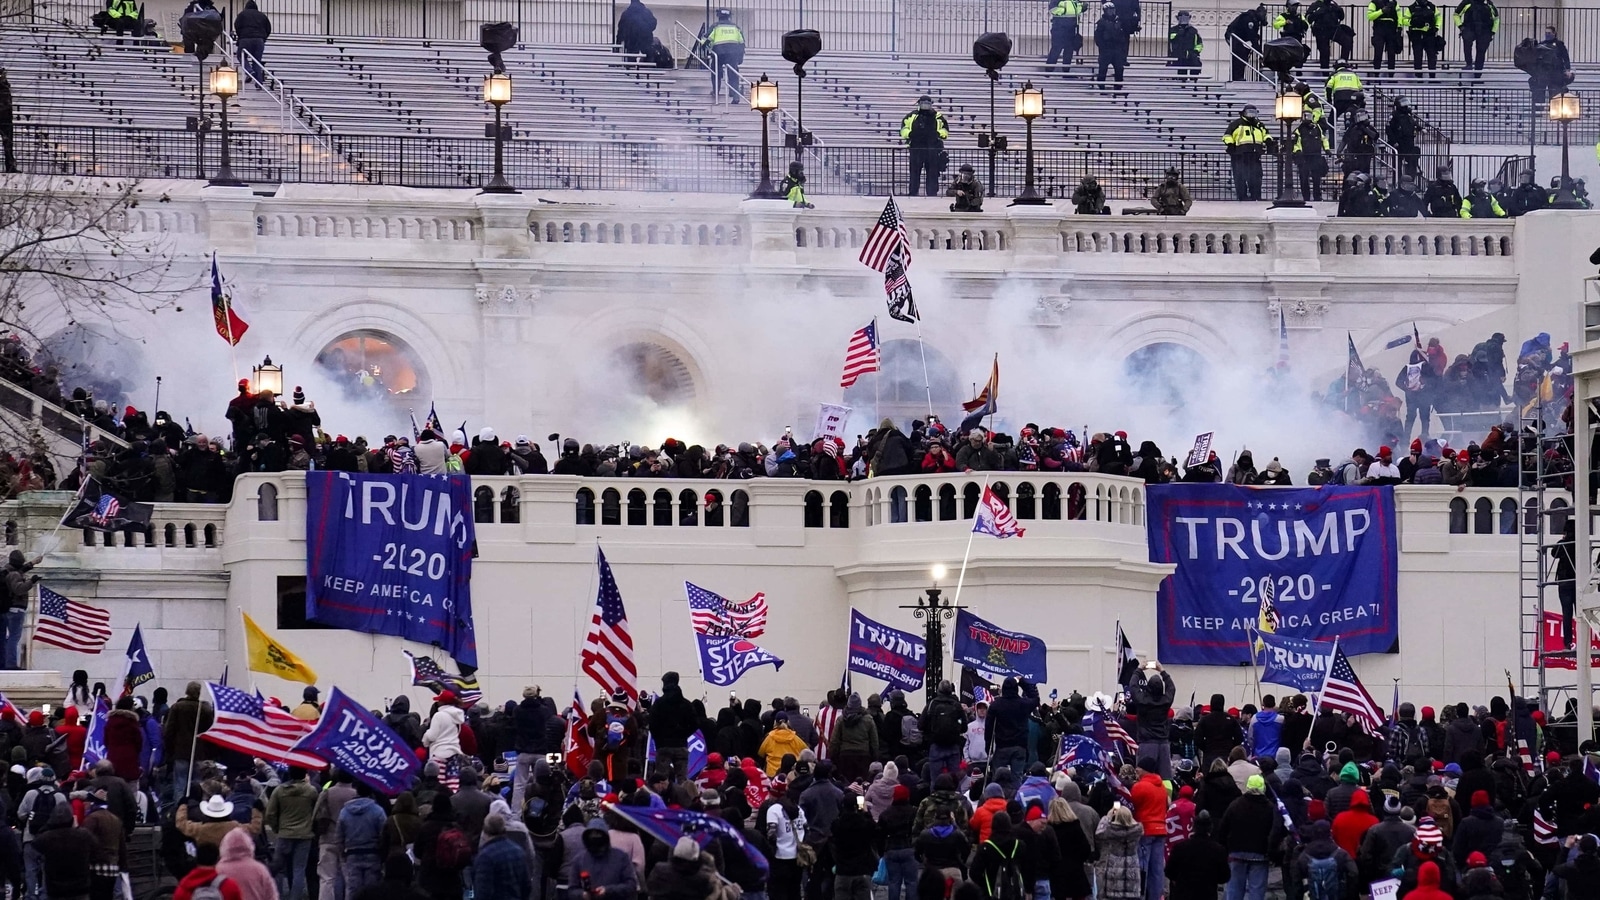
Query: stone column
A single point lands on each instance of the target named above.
(505, 226)
(769, 231)
(230, 219)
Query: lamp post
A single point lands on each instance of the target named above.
(1029, 105)
(1287, 109)
(225, 85)
(1565, 109)
(764, 99)
(268, 377)
(497, 93)
(934, 611)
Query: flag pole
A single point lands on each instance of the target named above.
(1250, 644)
(962, 578)
(922, 348)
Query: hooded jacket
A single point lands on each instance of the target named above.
(1350, 826)
(672, 717)
(403, 722)
(1461, 735)
(124, 740)
(855, 732)
(1428, 884)
(443, 738)
(361, 825)
(1217, 733)
(1007, 722)
(1266, 729)
(239, 864)
(1247, 825)
(290, 808)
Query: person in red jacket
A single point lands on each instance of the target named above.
(1427, 885)
(1150, 810)
(204, 873)
(938, 458)
(994, 801)
(1350, 826)
(124, 740)
(77, 735)
(1180, 818)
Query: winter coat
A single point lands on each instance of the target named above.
(1324, 849)
(124, 741)
(1069, 877)
(1007, 722)
(443, 738)
(1153, 694)
(239, 863)
(1481, 830)
(361, 825)
(1350, 826)
(672, 718)
(1217, 792)
(1195, 869)
(535, 724)
(403, 722)
(500, 870)
(431, 457)
(290, 808)
(1117, 871)
(1217, 733)
(252, 24)
(983, 817)
(993, 857)
(855, 732)
(182, 720)
(212, 831)
(1247, 825)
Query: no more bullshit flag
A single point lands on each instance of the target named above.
(897, 657)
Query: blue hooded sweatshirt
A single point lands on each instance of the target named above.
(1265, 730)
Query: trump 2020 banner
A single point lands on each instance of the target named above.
(1294, 663)
(392, 554)
(898, 657)
(358, 742)
(987, 647)
(1327, 555)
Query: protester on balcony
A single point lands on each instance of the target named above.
(1243, 35)
(979, 453)
(1111, 45)
(793, 187)
(967, 190)
(1088, 198)
(924, 130)
(251, 28)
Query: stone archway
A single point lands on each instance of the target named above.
(369, 363)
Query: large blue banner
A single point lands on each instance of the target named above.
(897, 657)
(1294, 663)
(987, 647)
(392, 554)
(1325, 558)
(358, 742)
(724, 659)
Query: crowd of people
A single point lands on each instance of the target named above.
(968, 797)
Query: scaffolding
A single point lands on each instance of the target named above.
(1544, 498)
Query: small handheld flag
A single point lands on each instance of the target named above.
(995, 518)
(861, 356)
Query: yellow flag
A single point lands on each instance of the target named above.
(267, 655)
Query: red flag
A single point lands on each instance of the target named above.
(229, 325)
(579, 750)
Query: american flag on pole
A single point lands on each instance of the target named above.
(861, 356)
(250, 725)
(608, 648)
(71, 625)
(713, 615)
(887, 240)
(1544, 830)
(1342, 691)
(995, 518)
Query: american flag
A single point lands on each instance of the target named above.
(827, 720)
(450, 773)
(1544, 830)
(714, 615)
(427, 673)
(1590, 771)
(887, 240)
(105, 509)
(1342, 691)
(71, 625)
(898, 288)
(249, 724)
(861, 356)
(608, 649)
(1525, 756)
(1118, 734)
(1283, 342)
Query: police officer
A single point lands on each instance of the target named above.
(1527, 196)
(1404, 202)
(1359, 145)
(1555, 70)
(1344, 89)
(1385, 18)
(124, 17)
(1065, 38)
(1244, 36)
(1171, 197)
(1310, 147)
(1183, 47)
(1290, 23)
(1424, 24)
(1479, 22)
(1479, 204)
(967, 190)
(726, 43)
(1246, 139)
(1443, 200)
(1326, 18)
(924, 130)
(1111, 44)
(793, 187)
(1357, 199)
(1402, 132)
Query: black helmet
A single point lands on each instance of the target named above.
(724, 14)
(1250, 111)
(1172, 171)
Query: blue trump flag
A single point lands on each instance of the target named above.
(987, 647)
(697, 753)
(724, 659)
(1078, 750)
(94, 746)
(358, 742)
(392, 554)
(1326, 556)
(667, 825)
(1293, 662)
(898, 657)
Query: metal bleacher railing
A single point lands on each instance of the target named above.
(441, 162)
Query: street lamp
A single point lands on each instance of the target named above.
(1029, 106)
(930, 608)
(1565, 108)
(268, 377)
(764, 99)
(497, 92)
(225, 85)
(1287, 109)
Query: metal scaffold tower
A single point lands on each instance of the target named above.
(1544, 499)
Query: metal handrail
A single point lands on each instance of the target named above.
(1388, 155)
(291, 107)
(689, 43)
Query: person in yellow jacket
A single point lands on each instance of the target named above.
(1065, 37)
(1424, 24)
(1385, 18)
(1246, 139)
(1479, 22)
(1480, 204)
(123, 17)
(779, 741)
(1310, 149)
(726, 44)
(924, 130)
(793, 187)
(1343, 87)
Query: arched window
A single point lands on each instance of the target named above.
(1052, 501)
(839, 510)
(372, 364)
(169, 534)
(1025, 501)
(1003, 492)
(922, 504)
(1163, 373)
(211, 535)
(584, 507)
(897, 504)
(1077, 502)
(813, 515)
(267, 502)
(189, 532)
(510, 506)
(1508, 516)
(1458, 516)
(661, 512)
(688, 508)
(739, 510)
(483, 505)
(947, 503)
(970, 496)
(636, 514)
(714, 509)
(1483, 516)
(610, 507)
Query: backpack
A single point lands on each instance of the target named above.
(1325, 881)
(453, 851)
(1009, 885)
(44, 803)
(211, 890)
(944, 724)
(910, 734)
